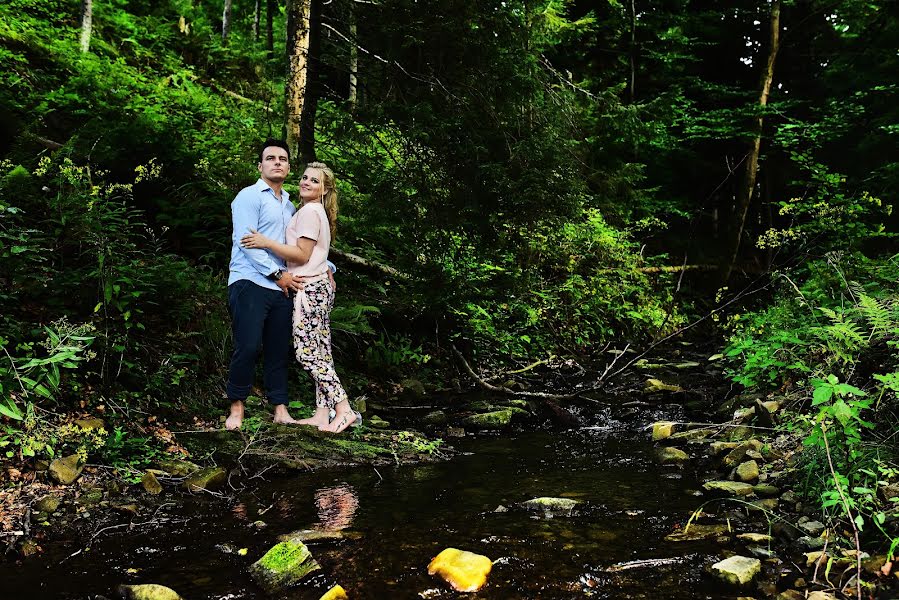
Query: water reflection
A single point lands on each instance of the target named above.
(337, 506)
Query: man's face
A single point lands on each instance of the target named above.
(275, 165)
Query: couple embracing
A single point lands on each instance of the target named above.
(281, 286)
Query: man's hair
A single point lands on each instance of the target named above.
(272, 142)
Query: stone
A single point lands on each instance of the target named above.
(748, 471)
(763, 505)
(147, 591)
(755, 538)
(737, 570)
(888, 492)
(67, 469)
(762, 415)
(318, 535)
(763, 489)
(413, 388)
(335, 593)
(455, 432)
(464, 571)
(656, 386)
(819, 595)
(692, 435)
(489, 420)
(741, 433)
(718, 448)
(150, 484)
(47, 504)
(814, 528)
(671, 456)
(178, 468)
(741, 414)
(91, 423)
(283, 565)
(360, 405)
(735, 456)
(29, 547)
(437, 417)
(731, 488)
(551, 504)
(90, 497)
(210, 478)
(662, 430)
(807, 543)
(689, 364)
(760, 552)
(754, 455)
(697, 531)
(377, 422)
(790, 595)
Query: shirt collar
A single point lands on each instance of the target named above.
(262, 186)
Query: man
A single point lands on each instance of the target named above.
(259, 288)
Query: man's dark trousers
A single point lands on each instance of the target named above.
(259, 316)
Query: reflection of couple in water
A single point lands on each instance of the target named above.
(336, 506)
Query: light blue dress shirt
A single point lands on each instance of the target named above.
(257, 207)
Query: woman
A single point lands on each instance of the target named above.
(309, 237)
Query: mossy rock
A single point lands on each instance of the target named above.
(551, 504)
(67, 469)
(437, 417)
(283, 565)
(693, 435)
(210, 478)
(178, 468)
(490, 420)
(47, 504)
(737, 570)
(698, 531)
(151, 484)
(730, 488)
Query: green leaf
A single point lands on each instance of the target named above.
(822, 394)
(859, 522)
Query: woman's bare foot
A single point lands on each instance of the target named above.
(319, 419)
(344, 419)
(282, 416)
(235, 418)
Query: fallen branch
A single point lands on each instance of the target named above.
(48, 144)
(367, 264)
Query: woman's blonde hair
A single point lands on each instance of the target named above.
(329, 194)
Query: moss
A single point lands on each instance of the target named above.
(283, 565)
(283, 555)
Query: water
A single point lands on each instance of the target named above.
(397, 518)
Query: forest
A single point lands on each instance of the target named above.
(671, 214)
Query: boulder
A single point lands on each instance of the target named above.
(335, 593)
(662, 430)
(147, 591)
(318, 535)
(671, 456)
(731, 488)
(90, 423)
(656, 386)
(47, 504)
(755, 538)
(748, 471)
(210, 478)
(807, 543)
(550, 504)
(718, 448)
(151, 484)
(90, 496)
(413, 389)
(814, 528)
(737, 570)
(178, 468)
(790, 595)
(377, 422)
(283, 565)
(67, 469)
(765, 490)
(692, 435)
(437, 417)
(360, 405)
(819, 595)
(464, 571)
(489, 420)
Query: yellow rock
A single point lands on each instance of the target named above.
(465, 571)
(335, 593)
(662, 430)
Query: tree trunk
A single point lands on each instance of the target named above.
(270, 7)
(87, 17)
(745, 191)
(226, 20)
(354, 59)
(256, 11)
(302, 51)
(633, 52)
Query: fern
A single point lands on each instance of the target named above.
(879, 314)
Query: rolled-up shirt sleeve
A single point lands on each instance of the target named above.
(245, 218)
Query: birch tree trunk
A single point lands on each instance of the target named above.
(87, 18)
(747, 186)
(226, 20)
(297, 90)
(270, 7)
(354, 60)
(256, 10)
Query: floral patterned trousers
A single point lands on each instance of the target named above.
(312, 341)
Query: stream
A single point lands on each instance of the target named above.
(394, 519)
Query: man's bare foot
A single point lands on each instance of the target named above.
(282, 416)
(319, 419)
(235, 418)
